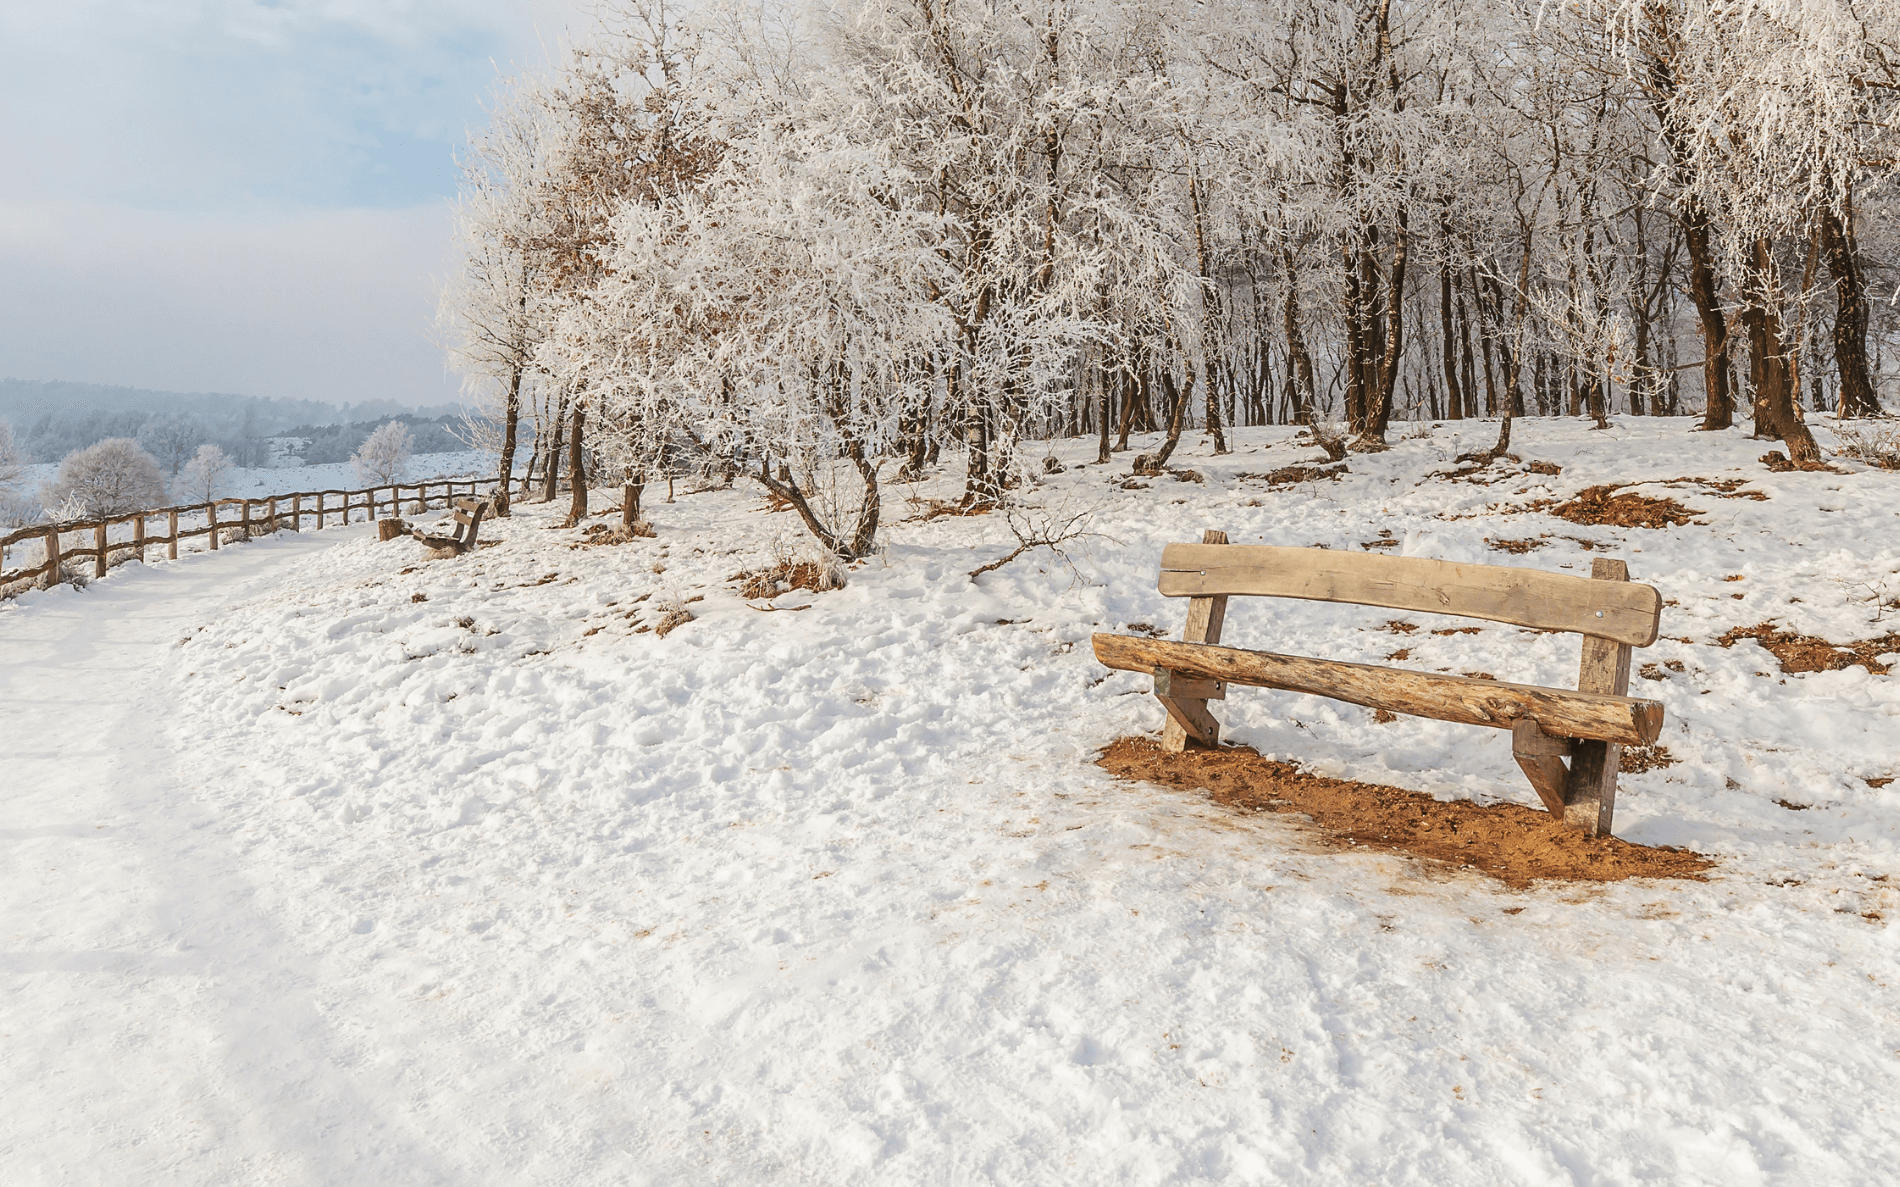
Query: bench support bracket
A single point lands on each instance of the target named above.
(1542, 759)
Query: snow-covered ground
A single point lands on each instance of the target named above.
(326, 863)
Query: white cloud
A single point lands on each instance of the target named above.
(322, 305)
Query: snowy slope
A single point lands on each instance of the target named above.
(384, 870)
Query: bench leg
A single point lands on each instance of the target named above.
(1188, 716)
(1590, 800)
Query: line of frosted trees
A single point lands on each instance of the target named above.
(795, 242)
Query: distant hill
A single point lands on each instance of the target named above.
(51, 418)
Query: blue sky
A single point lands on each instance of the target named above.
(241, 195)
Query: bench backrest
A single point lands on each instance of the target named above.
(468, 518)
(1621, 611)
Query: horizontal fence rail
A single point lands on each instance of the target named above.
(246, 516)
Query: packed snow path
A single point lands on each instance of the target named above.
(414, 873)
(158, 1027)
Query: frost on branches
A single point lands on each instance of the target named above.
(384, 456)
(823, 252)
(110, 477)
(202, 478)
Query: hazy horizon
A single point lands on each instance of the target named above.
(242, 197)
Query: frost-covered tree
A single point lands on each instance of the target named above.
(172, 440)
(384, 456)
(202, 478)
(13, 460)
(783, 316)
(493, 312)
(111, 477)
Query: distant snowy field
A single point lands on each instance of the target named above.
(247, 482)
(326, 863)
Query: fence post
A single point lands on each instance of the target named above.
(138, 536)
(244, 517)
(99, 548)
(296, 513)
(319, 511)
(372, 504)
(52, 560)
(211, 517)
(171, 546)
(270, 515)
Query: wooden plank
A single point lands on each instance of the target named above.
(320, 495)
(1541, 758)
(171, 526)
(1178, 684)
(1590, 798)
(51, 577)
(138, 535)
(1188, 716)
(1421, 694)
(1625, 612)
(99, 548)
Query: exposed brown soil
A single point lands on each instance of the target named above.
(1778, 461)
(939, 508)
(1546, 468)
(1514, 844)
(1635, 760)
(1598, 506)
(1721, 488)
(1805, 653)
(1517, 547)
(1288, 475)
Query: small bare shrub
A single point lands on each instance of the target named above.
(674, 615)
(810, 568)
(1875, 442)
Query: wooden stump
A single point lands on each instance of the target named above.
(391, 529)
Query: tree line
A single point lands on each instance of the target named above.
(799, 242)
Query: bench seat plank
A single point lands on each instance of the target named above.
(1558, 711)
(1623, 611)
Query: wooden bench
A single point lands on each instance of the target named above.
(1588, 725)
(468, 521)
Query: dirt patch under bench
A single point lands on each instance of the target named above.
(1514, 844)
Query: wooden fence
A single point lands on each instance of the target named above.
(268, 514)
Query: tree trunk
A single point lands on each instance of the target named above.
(1720, 412)
(1775, 415)
(576, 469)
(1850, 320)
(1299, 369)
(551, 461)
(1454, 398)
(512, 418)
